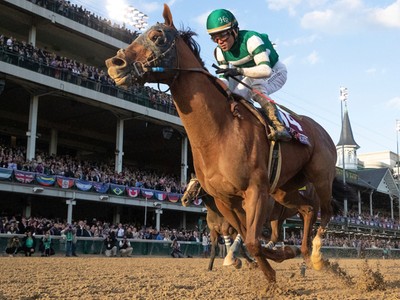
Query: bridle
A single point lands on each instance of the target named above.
(196, 194)
(164, 56)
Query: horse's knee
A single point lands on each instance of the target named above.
(254, 249)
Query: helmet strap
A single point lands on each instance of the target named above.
(235, 32)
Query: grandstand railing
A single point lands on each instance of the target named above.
(95, 246)
(67, 183)
(139, 96)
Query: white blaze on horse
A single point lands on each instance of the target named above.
(230, 154)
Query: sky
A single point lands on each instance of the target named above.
(325, 44)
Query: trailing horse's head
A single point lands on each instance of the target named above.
(147, 56)
(192, 192)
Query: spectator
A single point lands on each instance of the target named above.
(69, 233)
(205, 243)
(29, 243)
(176, 249)
(125, 248)
(13, 246)
(221, 246)
(110, 242)
(46, 246)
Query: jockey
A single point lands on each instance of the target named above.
(254, 58)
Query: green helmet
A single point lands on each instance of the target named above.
(220, 20)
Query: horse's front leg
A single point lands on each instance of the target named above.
(257, 206)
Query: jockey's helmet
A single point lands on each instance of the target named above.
(221, 20)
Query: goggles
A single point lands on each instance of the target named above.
(221, 36)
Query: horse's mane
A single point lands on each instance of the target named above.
(187, 36)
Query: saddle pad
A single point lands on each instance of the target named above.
(294, 127)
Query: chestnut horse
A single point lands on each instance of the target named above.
(230, 154)
(217, 225)
(306, 202)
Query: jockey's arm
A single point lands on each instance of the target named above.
(262, 68)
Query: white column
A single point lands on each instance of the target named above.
(28, 208)
(391, 207)
(117, 216)
(158, 218)
(70, 203)
(359, 201)
(32, 35)
(183, 220)
(184, 155)
(53, 142)
(119, 145)
(32, 128)
(371, 213)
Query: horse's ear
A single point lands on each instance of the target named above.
(192, 175)
(167, 16)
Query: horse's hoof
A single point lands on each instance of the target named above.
(229, 260)
(237, 264)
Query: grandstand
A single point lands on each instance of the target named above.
(56, 98)
(47, 106)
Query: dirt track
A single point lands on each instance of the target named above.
(187, 278)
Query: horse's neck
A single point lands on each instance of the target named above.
(202, 108)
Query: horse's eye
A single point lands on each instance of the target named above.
(157, 37)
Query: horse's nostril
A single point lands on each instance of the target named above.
(118, 61)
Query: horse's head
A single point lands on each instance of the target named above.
(193, 190)
(155, 48)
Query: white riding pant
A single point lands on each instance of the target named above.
(266, 86)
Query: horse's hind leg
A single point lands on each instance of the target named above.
(308, 215)
(214, 244)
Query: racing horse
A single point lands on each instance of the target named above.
(230, 153)
(306, 203)
(217, 225)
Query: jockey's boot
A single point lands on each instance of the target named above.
(279, 132)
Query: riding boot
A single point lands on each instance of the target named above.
(279, 132)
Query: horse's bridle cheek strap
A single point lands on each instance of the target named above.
(162, 55)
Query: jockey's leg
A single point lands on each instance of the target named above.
(280, 133)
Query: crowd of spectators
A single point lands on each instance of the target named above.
(119, 232)
(85, 17)
(61, 67)
(67, 166)
(381, 219)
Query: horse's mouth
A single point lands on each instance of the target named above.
(185, 202)
(121, 77)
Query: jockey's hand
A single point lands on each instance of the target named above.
(230, 72)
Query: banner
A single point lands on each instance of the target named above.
(101, 187)
(117, 189)
(174, 197)
(83, 185)
(159, 195)
(24, 176)
(146, 193)
(197, 201)
(45, 180)
(5, 174)
(132, 191)
(65, 182)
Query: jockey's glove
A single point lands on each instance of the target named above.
(230, 72)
